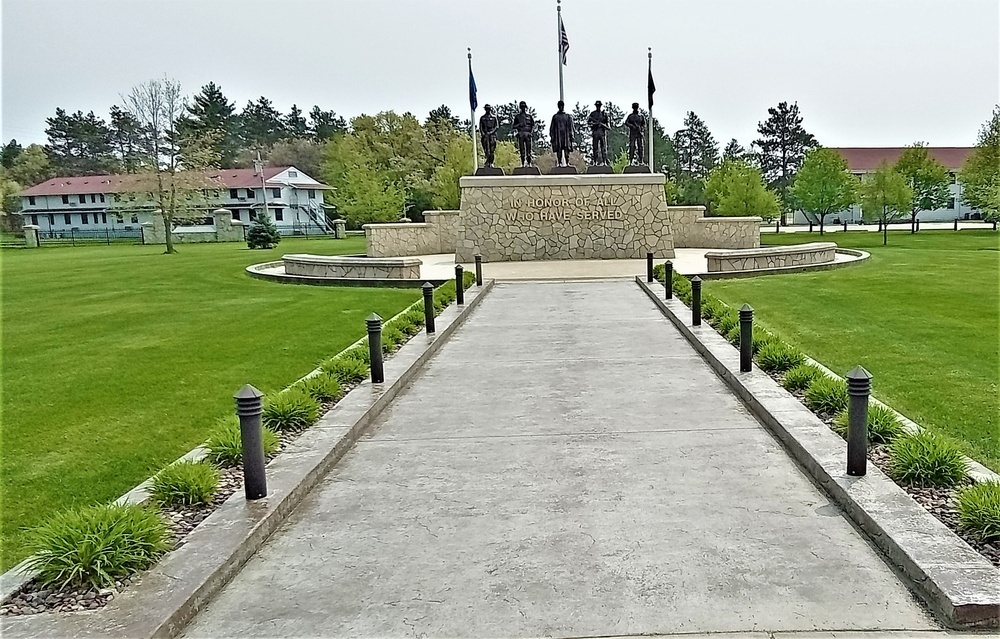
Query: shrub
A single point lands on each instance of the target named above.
(291, 410)
(726, 320)
(263, 234)
(347, 370)
(710, 307)
(468, 279)
(924, 459)
(185, 483)
(225, 444)
(360, 353)
(392, 338)
(979, 510)
(323, 387)
(682, 288)
(826, 395)
(95, 545)
(411, 322)
(733, 335)
(799, 377)
(761, 338)
(778, 357)
(883, 426)
(659, 272)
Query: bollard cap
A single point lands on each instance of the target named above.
(428, 287)
(746, 307)
(458, 267)
(373, 320)
(247, 392)
(859, 374)
(669, 262)
(696, 279)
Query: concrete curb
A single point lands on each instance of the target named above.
(164, 599)
(956, 581)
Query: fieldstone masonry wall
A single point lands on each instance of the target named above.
(225, 230)
(439, 234)
(693, 230)
(563, 217)
(771, 257)
(351, 267)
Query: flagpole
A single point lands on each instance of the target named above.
(472, 123)
(559, 47)
(651, 167)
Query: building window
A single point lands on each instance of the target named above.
(951, 204)
(292, 174)
(952, 176)
(102, 198)
(31, 200)
(65, 199)
(84, 218)
(93, 198)
(312, 194)
(250, 194)
(135, 219)
(104, 218)
(67, 218)
(83, 199)
(276, 193)
(234, 194)
(278, 215)
(236, 215)
(34, 220)
(119, 218)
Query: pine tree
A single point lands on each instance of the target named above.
(79, 144)
(295, 124)
(734, 151)
(696, 150)
(127, 139)
(9, 154)
(782, 148)
(325, 124)
(211, 116)
(260, 124)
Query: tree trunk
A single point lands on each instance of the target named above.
(168, 236)
(885, 229)
(821, 216)
(913, 223)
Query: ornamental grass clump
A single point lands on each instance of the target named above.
(979, 510)
(93, 546)
(826, 395)
(360, 353)
(726, 320)
(347, 370)
(711, 306)
(324, 387)
(412, 321)
(682, 288)
(392, 338)
(289, 411)
(778, 357)
(185, 483)
(798, 378)
(883, 425)
(925, 459)
(225, 444)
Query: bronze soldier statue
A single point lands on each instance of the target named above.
(488, 126)
(636, 123)
(600, 124)
(524, 129)
(561, 134)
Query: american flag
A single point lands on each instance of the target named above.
(563, 41)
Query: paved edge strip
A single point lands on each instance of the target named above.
(165, 599)
(956, 581)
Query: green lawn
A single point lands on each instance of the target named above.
(116, 360)
(921, 315)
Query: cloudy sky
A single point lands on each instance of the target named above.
(864, 72)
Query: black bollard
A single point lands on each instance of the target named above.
(374, 323)
(859, 383)
(649, 267)
(479, 269)
(668, 280)
(994, 225)
(459, 285)
(696, 301)
(956, 223)
(428, 290)
(249, 406)
(845, 226)
(746, 338)
(810, 227)
(917, 226)
(777, 226)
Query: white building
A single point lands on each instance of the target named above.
(87, 205)
(861, 161)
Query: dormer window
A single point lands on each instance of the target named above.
(292, 174)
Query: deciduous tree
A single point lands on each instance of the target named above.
(32, 166)
(781, 147)
(823, 185)
(926, 177)
(737, 189)
(885, 197)
(981, 174)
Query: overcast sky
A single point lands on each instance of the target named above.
(864, 72)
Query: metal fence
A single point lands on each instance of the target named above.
(303, 230)
(74, 237)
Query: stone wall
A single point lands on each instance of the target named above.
(225, 229)
(351, 267)
(564, 217)
(693, 230)
(438, 234)
(770, 257)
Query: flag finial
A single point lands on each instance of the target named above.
(470, 52)
(558, 5)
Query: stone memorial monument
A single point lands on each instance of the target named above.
(599, 124)
(636, 124)
(561, 135)
(489, 124)
(524, 130)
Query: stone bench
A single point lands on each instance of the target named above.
(341, 266)
(770, 257)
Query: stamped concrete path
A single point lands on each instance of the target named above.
(567, 465)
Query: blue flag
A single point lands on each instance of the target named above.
(473, 102)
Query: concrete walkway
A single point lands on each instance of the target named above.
(565, 466)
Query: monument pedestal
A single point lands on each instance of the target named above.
(564, 170)
(564, 217)
(637, 168)
(489, 170)
(527, 170)
(599, 169)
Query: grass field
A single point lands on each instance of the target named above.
(921, 315)
(116, 360)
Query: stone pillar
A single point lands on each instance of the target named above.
(30, 236)
(153, 232)
(227, 229)
(339, 229)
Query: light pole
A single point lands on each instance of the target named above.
(258, 166)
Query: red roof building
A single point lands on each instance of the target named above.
(866, 159)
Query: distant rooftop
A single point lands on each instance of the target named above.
(869, 158)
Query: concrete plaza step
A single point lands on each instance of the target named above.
(566, 465)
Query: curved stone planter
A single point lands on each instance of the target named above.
(342, 270)
(847, 257)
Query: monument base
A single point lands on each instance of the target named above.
(599, 169)
(527, 170)
(637, 168)
(564, 170)
(489, 170)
